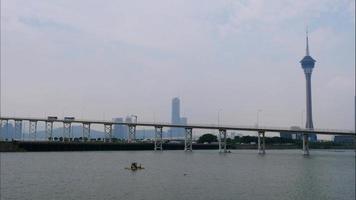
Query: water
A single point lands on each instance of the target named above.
(280, 174)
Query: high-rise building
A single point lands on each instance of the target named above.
(7, 132)
(177, 119)
(308, 64)
(119, 130)
(175, 111)
(128, 119)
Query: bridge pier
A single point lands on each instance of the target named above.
(305, 145)
(18, 128)
(132, 133)
(33, 130)
(67, 131)
(49, 130)
(261, 147)
(86, 132)
(158, 138)
(108, 132)
(188, 142)
(222, 141)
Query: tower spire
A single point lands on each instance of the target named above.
(307, 43)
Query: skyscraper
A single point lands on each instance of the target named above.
(177, 119)
(308, 64)
(175, 132)
(175, 111)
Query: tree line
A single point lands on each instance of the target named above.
(209, 138)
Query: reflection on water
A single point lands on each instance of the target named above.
(280, 174)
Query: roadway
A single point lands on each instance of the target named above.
(194, 126)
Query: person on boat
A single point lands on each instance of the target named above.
(134, 166)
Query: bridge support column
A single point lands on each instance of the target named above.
(132, 133)
(261, 147)
(86, 132)
(188, 141)
(108, 132)
(67, 131)
(158, 138)
(33, 130)
(18, 128)
(305, 145)
(49, 130)
(222, 141)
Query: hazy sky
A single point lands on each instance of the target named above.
(104, 59)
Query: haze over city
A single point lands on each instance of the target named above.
(227, 57)
(177, 99)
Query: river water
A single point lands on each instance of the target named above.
(173, 175)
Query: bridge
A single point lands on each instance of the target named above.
(158, 126)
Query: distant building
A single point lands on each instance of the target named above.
(128, 119)
(146, 134)
(177, 119)
(296, 136)
(175, 110)
(344, 139)
(183, 121)
(232, 135)
(7, 132)
(119, 130)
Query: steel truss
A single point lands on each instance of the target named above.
(86, 132)
(222, 141)
(132, 133)
(158, 138)
(108, 132)
(49, 130)
(33, 130)
(188, 142)
(261, 147)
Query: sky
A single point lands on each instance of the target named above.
(225, 59)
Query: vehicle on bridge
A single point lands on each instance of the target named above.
(69, 118)
(52, 118)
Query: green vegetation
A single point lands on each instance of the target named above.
(269, 140)
(209, 138)
(239, 141)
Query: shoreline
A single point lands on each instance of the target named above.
(30, 146)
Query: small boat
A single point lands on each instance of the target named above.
(134, 167)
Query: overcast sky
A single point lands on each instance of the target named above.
(105, 59)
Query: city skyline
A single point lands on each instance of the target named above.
(221, 63)
(177, 99)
